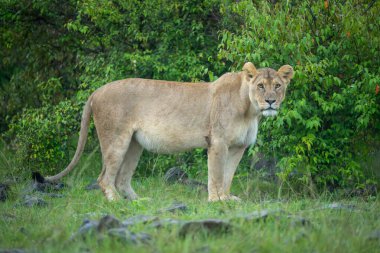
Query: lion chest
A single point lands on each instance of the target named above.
(245, 133)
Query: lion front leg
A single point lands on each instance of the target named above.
(217, 155)
(233, 158)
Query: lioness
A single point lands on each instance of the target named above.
(167, 117)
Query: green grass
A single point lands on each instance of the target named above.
(48, 229)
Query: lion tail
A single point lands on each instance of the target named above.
(86, 116)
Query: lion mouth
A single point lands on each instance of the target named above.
(269, 112)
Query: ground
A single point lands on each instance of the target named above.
(259, 223)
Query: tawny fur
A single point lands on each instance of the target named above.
(166, 117)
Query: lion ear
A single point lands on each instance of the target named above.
(250, 69)
(286, 72)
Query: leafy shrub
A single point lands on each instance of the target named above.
(42, 137)
(103, 41)
(332, 101)
(330, 117)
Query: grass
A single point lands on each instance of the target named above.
(49, 228)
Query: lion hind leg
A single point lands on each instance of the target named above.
(112, 160)
(127, 169)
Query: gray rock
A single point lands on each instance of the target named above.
(375, 235)
(87, 227)
(93, 186)
(204, 249)
(260, 215)
(91, 227)
(166, 223)
(338, 206)
(174, 175)
(176, 206)
(196, 185)
(4, 192)
(127, 236)
(107, 222)
(12, 251)
(144, 219)
(298, 220)
(48, 186)
(31, 201)
(210, 226)
(109, 225)
(177, 175)
(54, 195)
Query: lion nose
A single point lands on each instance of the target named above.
(269, 101)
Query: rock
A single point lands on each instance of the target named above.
(209, 226)
(176, 206)
(107, 222)
(38, 186)
(48, 187)
(4, 192)
(338, 206)
(298, 220)
(177, 175)
(127, 236)
(261, 215)
(144, 219)
(54, 195)
(374, 236)
(196, 185)
(174, 175)
(87, 227)
(166, 222)
(12, 251)
(31, 201)
(93, 185)
(109, 225)
(204, 249)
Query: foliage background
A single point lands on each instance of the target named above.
(54, 54)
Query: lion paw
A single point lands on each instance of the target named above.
(111, 195)
(230, 198)
(223, 198)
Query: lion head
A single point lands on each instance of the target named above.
(267, 87)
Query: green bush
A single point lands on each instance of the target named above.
(326, 126)
(42, 137)
(104, 41)
(335, 50)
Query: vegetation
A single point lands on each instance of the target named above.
(298, 224)
(54, 54)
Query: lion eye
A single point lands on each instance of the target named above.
(260, 86)
(277, 86)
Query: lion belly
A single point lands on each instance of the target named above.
(170, 141)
